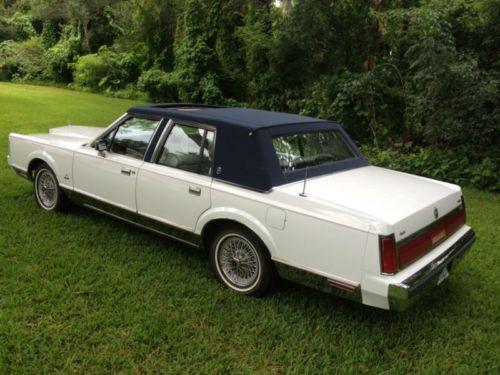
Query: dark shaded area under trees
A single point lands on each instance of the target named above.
(417, 82)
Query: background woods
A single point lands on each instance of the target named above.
(417, 82)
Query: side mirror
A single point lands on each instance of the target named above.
(100, 145)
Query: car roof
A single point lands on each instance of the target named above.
(246, 118)
(242, 155)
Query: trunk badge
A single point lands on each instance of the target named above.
(436, 213)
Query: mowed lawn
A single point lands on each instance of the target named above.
(82, 293)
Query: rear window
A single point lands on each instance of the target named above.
(301, 150)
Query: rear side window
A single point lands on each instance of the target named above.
(188, 148)
(301, 150)
(133, 136)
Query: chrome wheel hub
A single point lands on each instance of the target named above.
(47, 189)
(238, 261)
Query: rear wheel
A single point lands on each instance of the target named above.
(48, 194)
(241, 261)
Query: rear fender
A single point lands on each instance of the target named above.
(240, 217)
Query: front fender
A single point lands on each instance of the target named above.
(241, 217)
(45, 157)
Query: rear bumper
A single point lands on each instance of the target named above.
(403, 294)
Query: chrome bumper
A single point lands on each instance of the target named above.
(403, 294)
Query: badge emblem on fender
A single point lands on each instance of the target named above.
(436, 213)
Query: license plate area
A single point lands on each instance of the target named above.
(443, 275)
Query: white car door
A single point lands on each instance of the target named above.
(110, 176)
(174, 187)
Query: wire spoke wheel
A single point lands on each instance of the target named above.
(238, 261)
(46, 189)
(241, 261)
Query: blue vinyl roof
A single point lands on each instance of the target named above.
(249, 119)
(243, 155)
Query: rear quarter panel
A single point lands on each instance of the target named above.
(292, 236)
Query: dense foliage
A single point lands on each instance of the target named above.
(416, 81)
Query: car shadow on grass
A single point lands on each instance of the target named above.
(286, 295)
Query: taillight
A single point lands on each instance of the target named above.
(388, 256)
(394, 257)
(421, 245)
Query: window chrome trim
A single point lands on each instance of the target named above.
(154, 139)
(168, 130)
(109, 129)
(161, 141)
(127, 118)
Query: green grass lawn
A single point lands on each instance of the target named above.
(82, 293)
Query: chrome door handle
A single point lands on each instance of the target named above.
(195, 190)
(126, 171)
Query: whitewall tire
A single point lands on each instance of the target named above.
(48, 194)
(241, 261)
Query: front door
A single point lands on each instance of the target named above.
(110, 176)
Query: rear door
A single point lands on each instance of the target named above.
(174, 187)
(111, 176)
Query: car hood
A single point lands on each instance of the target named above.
(68, 137)
(77, 131)
(404, 203)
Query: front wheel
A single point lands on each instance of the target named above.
(48, 194)
(241, 261)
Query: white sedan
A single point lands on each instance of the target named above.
(265, 193)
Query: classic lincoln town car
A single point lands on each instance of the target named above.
(265, 193)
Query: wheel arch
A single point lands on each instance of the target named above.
(33, 165)
(38, 158)
(211, 221)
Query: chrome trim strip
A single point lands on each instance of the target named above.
(153, 141)
(403, 294)
(140, 225)
(167, 230)
(20, 172)
(161, 141)
(109, 129)
(166, 133)
(326, 284)
(425, 229)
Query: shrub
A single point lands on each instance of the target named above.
(93, 70)
(49, 34)
(22, 61)
(159, 85)
(61, 56)
(16, 27)
(97, 71)
(107, 69)
(447, 165)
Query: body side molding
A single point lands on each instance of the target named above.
(172, 232)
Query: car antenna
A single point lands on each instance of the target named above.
(303, 194)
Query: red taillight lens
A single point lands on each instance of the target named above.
(424, 243)
(388, 258)
(395, 257)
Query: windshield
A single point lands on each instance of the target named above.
(301, 150)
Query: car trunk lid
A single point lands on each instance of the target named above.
(406, 203)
